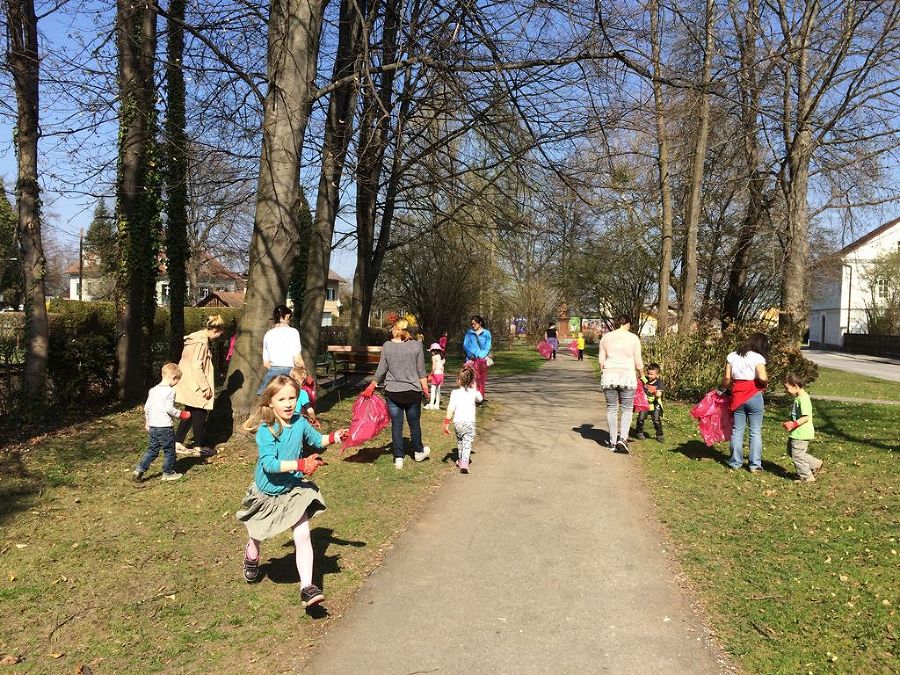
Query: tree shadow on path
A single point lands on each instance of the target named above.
(700, 451)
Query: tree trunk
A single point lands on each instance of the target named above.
(294, 32)
(177, 249)
(692, 207)
(338, 133)
(662, 139)
(749, 88)
(373, 143)
(794, 294)
(137, 198)
(25, 68)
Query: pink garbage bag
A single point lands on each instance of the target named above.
(309, 386)
(573, 348)
(481, 372)
(714, 417)
(641, 404)
(545, 348)
(370, 416)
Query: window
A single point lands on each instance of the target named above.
(164, 294)
(330, 293)
(881, 287)
(326, 318)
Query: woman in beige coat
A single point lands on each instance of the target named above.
(196, 389)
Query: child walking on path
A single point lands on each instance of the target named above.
(158, 413)
(801, 430)
(461, 411)
(653, 386)
(581, 346)
(281, 496)
(437, 375)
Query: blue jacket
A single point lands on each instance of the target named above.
(477, 346)
(288, 445)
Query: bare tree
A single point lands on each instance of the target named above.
(23, 64)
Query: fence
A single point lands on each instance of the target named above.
(874, 345)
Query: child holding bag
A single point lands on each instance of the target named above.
(281, 496)
(461, 411)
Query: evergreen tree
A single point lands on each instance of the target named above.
(10, 269)
(101, 239)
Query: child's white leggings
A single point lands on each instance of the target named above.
(435, 396)
(304, 550)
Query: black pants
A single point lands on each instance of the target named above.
(197, 422)
(655, 415)
(581, 355)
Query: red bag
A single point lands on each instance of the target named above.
(370, 416)
(309, 386)
(545, 348)
(641, 404)
(573, 348)
(714, 417)
(481, 370)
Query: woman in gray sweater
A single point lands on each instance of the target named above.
(401, 372)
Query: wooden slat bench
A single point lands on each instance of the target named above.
(360, 359)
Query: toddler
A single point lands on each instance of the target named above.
(581, 346)
(305, 400)
(437, 375)
(281, 496)
(801, 430)
(461, 411)
(158, 413)
(653, 387)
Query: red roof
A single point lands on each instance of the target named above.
(227, 298)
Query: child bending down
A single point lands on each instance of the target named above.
(158, 413)
(304, 396)
(437, 375)
(461, 411)
(281, 496)
(801, 430)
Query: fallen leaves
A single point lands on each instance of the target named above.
(9, 659)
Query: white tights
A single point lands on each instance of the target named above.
(435, 396)
(304, 550)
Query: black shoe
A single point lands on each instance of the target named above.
(640, 435)
(251, 570)
(659, 438)
(621, 446)
(311, 595)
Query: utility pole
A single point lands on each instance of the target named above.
(80, 262)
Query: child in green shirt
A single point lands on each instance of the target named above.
(801, 430)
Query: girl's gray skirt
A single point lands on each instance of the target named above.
(267, 516)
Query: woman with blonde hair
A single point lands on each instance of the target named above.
(401, 371)
(196, 389)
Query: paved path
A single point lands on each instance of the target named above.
(875, 366)
(545, 559)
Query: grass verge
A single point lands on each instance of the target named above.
(833, 382)
(122, 577)
(795, 577)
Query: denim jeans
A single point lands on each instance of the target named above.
(270, 375)
(413, 415)
(161, 438)
(751, 411)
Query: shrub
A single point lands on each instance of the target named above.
(693, 364)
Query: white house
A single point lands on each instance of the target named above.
(841, 291)
(332, 308)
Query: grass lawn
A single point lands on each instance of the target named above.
(833, 382)
(796, 578)
(97, 570)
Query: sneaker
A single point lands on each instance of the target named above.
(422, 456)
(621, 446)
(207, 452)
(137, 476)
(463, 465)
(806, 479)
(172, 475)
(311, 595)
(251, 570)
(398, 462)
(640, 435)
(755, 469)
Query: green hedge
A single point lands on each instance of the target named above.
(692, 365)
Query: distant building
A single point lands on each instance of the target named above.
(233, 299)
(211, 276)
(332, 308)
(841, 291)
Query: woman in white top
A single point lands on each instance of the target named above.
(281, 347)
(620, 359)
(745, 373)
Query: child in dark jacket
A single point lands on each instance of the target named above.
(653, 386)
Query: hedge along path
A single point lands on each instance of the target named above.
(546, 558)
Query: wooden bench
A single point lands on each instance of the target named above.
(361, 359)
